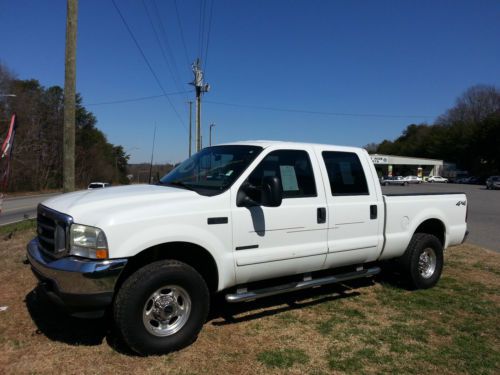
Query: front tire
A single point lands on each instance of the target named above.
(161, 307)
(422, 263)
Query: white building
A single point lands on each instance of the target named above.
(421, 166)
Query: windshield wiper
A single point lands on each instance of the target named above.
(180, 184)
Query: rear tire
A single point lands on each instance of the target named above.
(422, 263)
(161, 307)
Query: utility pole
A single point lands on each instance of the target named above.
(201, 88)
(69, 97)
(190, 126)
(210, 139)
(152, 152)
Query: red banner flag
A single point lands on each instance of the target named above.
(6, 153)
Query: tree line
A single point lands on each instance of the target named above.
(467, 134)
(37, 156)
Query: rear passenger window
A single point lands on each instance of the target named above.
(294, 169)
(345, 173)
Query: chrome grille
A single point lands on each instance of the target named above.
(53, 231)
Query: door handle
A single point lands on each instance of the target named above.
(321, 215)
(373, 211)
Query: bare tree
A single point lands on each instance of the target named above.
(371, 148)
(473, 106)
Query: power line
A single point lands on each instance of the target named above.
(341, 114)
(165, 38)
(182, 33)
(208, 35)
(162, 50)
(275, 109)
(169, 49)
(201, 26)
(147, 63)
(142, 98)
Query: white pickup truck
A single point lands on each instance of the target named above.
(226, 218)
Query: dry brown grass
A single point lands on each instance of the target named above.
(359, 327)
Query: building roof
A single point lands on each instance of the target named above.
(403, 160)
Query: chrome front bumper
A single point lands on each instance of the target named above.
(73, 281)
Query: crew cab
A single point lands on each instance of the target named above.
(244, 220)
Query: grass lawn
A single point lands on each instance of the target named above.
(365, 326)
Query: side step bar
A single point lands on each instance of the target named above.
(294, 286)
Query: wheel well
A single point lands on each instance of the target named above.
(196, 256)
(434, 227)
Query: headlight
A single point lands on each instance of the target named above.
(88, 242)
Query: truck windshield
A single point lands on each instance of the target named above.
(212, 170)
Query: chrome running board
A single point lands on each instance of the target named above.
(244, 295)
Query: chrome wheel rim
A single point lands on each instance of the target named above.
(427, 263)
(166, 311)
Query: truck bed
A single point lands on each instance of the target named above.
(405, 212)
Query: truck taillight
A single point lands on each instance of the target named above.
(466, 211)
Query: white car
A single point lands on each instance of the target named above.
(437, 179)
(413, 179)
(234, 220)
(98, 185)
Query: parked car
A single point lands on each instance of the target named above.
(413, 179)
(437, 179)
(393, 180)
(493, 182)
(98, 185)
(473, 180)
(154, 255)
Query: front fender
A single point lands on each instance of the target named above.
(130, 244)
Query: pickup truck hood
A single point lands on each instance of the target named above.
(92, 206)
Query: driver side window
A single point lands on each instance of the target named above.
(293, 167)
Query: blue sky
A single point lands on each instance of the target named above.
(395, 58)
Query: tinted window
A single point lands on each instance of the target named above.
(345, 173)
(294, 169)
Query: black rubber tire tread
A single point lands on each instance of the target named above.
(409, 260)
(130, 299)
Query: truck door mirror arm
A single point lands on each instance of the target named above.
(271, 193)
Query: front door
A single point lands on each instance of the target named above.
(285, 240)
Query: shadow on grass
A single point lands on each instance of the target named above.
(57, 325)
(281, 303)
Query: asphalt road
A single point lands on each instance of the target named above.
(483, 221)
(19, 208)
(484, 209)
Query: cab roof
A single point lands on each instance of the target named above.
(266, 143)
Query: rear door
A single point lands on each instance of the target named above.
(354, 210)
